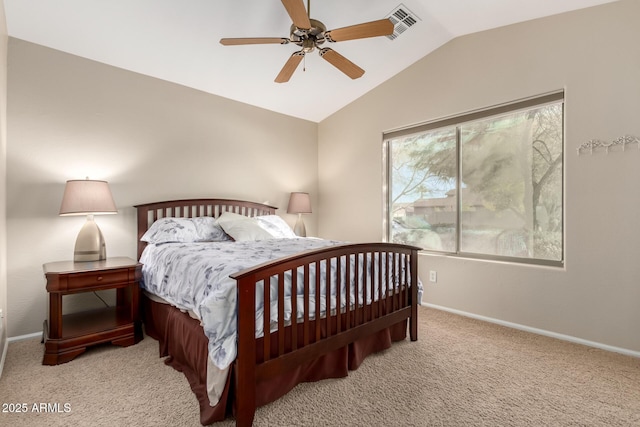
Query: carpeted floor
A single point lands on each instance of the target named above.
(461, 372)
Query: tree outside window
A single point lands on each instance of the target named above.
(487, 185)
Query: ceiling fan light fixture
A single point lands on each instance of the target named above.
(308, 45)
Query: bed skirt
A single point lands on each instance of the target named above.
(183, 343)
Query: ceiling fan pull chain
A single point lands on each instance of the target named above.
(304, 63)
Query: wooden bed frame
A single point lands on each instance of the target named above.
(291, 346)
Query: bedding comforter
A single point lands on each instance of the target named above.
(195, 277)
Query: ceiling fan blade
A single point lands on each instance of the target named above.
(297, 12)
(254, 40)
(382, 27)
(341, 63)
(289, 67)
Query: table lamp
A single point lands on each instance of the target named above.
(299, 203)
(88, 197)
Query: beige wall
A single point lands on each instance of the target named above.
(152, 140)
(3, 176)
(593, 54)
(69, 118)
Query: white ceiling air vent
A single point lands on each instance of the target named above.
(402, 19)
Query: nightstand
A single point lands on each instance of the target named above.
(67, 336)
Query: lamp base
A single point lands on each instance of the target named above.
(300, 229)
(90, 245)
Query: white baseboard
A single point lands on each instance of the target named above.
(12, 339)
(25, 337)
(538, 331)
(4, 351)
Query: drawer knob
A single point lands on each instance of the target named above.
(99, 278)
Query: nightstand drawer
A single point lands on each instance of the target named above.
(83, 280)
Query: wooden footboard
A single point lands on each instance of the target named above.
(378, 288)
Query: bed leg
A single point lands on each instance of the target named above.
(246, 359)
(413, 321)
(244, 418)
(245, 392)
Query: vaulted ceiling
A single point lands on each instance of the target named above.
(178, 41)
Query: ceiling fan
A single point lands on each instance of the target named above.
(310, 34)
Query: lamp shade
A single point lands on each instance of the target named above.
(87, 197)
(299, 203)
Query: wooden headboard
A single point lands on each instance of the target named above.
(148, 213)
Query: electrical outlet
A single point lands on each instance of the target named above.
(433, 276)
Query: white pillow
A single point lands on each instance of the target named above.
(276, 226)
(184, 230)
(242, 228)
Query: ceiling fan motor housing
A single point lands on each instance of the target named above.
(308, 38)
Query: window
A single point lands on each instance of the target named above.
(486, 184)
